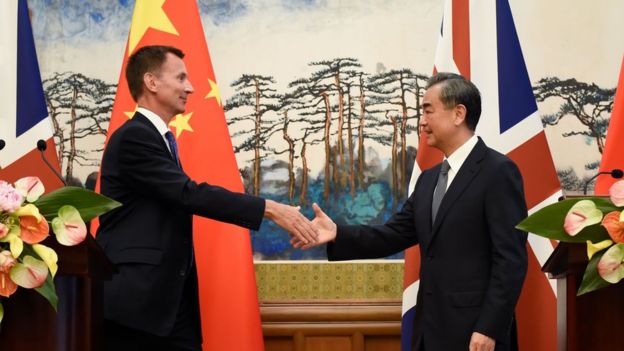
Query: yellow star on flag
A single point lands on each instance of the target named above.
(148, 14)
(214, 91)
(181, 123)
(130, 114)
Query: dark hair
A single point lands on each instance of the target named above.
(91, 181)
(73, 181)
(146, 59)
(457, 90)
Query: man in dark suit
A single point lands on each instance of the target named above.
(152, 302)
(462, 212)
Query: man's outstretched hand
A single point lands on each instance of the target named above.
(325, 227)
(292, 221)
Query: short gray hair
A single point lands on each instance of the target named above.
(457, 90)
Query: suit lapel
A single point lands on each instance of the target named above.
(138, 117)
(469, 169)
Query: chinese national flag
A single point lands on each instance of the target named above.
(612, 156)
(227, 287)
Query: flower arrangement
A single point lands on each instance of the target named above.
(26, 216)
(596, 221)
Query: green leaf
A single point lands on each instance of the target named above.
(48, 291)
(591, 279)
(87, 202)
(548, 222)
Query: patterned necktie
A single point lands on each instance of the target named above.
(173, 146)
(440, 189)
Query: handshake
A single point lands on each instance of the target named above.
(303, 232)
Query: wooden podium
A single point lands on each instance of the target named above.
(588, 322)
(31, 324)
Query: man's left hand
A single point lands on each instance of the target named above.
(480, 342)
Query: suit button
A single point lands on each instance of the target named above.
(428, 293)
(429, 258)
(182, 272)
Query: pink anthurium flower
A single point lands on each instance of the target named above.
(69, 227)
(611, 265)
(614, 222)
(32, 230)
(584, 213)
(48, 256)
(31, 273)
(616, 193)
(30, 187)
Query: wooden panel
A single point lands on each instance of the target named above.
(588, 322)
(328, 343)
(278, 343)
(332, 325)
(382, 343)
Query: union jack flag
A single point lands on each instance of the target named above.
(478, 39)
(23, 113)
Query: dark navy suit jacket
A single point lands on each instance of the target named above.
(149, 238)
(473, 261)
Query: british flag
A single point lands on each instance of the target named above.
(478, 39)
(23, 113)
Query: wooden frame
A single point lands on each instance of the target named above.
(346, 306)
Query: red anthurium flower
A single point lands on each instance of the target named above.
(584, 213)
(611, 265)
(616, 193)
(614, 222)
(33, 231)
(7, 286)
(31, 273)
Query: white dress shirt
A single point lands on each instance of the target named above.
(158, 122)
(457, 158)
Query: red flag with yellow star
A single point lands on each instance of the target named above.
(227, 288)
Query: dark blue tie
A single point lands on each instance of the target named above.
(173, 146)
